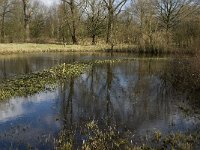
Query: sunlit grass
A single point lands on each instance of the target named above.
(14, 48)
(31, 47)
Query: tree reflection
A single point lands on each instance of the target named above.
(130, 95)
(4, 70)
(67, 102)
(108, 92)
(184, 76)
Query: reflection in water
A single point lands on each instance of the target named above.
(18, 64)
(133, 95)
(23, 64)
(185, 78)
(130, 98)
(15, 108)
(67, 102)
(30, 120)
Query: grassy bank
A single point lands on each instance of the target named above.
(14, 48)
(31, 47)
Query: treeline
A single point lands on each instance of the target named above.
(149, 24)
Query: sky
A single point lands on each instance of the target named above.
(49, 2)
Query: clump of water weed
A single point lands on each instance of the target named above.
(36, 82)
(40, 81)
(95, 137)
(189, 140)
(103, 138)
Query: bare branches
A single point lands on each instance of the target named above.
(95, 18)
(5, 8)
(72, 24)
(120, 5)
(170, 12)
(114, 7)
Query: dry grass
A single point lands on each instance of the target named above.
(14, 48)
(31, 47)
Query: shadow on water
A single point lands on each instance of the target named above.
(138, 95)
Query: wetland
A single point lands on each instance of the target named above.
(98, 100)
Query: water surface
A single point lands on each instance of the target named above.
(19, 64)
(137, 95)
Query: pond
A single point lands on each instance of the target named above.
(137, 95)
(18, 64)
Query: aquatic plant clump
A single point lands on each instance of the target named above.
(183, 141)
(94, 138)
(110, 138)
(36, 82)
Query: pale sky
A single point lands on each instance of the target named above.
(49, 2)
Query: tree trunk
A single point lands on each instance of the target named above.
(2, 29)
(74, 39)
(27, 32)
(26, 22)
(73, 34)
(93, 39)
(109, 28)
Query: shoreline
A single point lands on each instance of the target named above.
(19, 48)
(14, 48)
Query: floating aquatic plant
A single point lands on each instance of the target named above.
(36, 82)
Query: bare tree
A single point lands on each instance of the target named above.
(73, 18)
(5, 7)
(39, 22)
(95, 18)
(145, 15)
(28, 10)
(172, 11)
(114, 7)
(26, 20)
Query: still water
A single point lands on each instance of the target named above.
(17, 64)
(137, 95)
